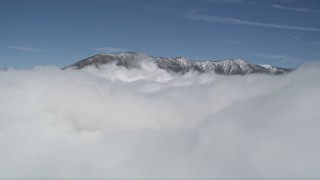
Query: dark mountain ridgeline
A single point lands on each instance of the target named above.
(180, 64)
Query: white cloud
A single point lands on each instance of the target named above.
(24, 48)
(297, 9)
(109, 49)
(114, 122)
(227, 20)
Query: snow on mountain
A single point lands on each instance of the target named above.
(180, 64)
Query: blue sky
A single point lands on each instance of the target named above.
(59, 32)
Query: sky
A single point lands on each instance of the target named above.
(113, 122)
(284, 33)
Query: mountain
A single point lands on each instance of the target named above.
(3, 68)
(180, 64)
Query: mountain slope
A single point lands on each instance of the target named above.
(180, 64)
(3, 68)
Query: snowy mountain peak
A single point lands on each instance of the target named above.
(180, 64)
(234, 61)
(129, 54)
(267, 66)
(122, 55)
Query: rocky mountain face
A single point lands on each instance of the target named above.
(180, 64)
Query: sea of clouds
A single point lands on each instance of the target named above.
(114, 122)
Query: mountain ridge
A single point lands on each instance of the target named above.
(180, 64)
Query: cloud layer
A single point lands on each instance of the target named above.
(146, 123)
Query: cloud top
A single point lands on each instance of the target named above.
(146, 123)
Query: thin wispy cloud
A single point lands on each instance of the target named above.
(152, 8)
(314, 43)
(297, 9)
(253, 3)
(109, 49)
(235, 42)
(24, 48)
(43, 31)
(281, 58)
(296, 37)
(225, 1)
(227, 20)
